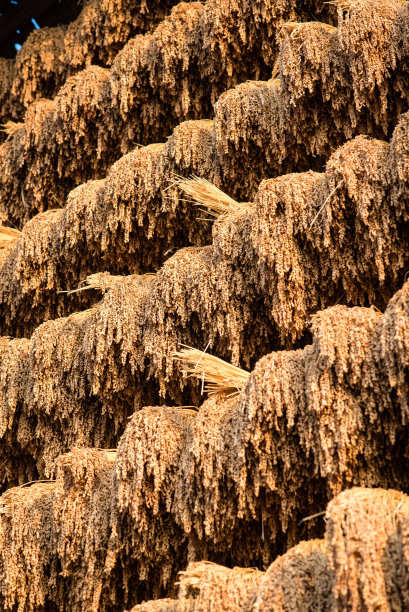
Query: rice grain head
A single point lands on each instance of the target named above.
(202, 192)
(215, 374)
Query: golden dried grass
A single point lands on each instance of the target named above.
(10, 128)
(293, 28)
(344, 5)
(202, 192)
(104, 281)
(15, 497)
(8, 235)
(216, 374)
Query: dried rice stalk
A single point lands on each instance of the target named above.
(110, 455)
(8, 235)
(203, 193)
(104, 281)
(10, 128)
(194, 574)
(293, 27)
(216, 375)
(344, 5)
(10, 499)
(211, 587)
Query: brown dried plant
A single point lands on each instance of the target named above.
(293, 28)
(104, 281)
(216, 375)
(344, 5)
(10, 128)
(202, 192)
(8, 235)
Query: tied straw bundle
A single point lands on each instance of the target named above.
(202, 192)
(104, 281)
(216, 375)
(7, 236)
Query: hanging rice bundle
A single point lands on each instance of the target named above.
(366, 551)
(298, 580)
(147, 465)
(27, 516)
(82, 508)
(208, 587)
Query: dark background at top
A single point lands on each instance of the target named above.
(15, 17)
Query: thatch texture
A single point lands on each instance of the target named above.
(63, 526)
(129, 222)
(298, 580)
(333, 85)
(207, 587)
(50, 55)
(269, 268)
(161, 78)
(367, 550)
(134, 223)
(145, 539)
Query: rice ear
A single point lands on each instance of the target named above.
(216, 374)
(202, 192)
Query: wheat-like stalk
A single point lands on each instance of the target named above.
(293, 28)
(344, 5)
(216, 375)
(104, 281)
(10, 128)
(8, 235)
(12, 497)
(202, 192)
(110, 454)
(196, 572)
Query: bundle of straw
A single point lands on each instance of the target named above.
(7, 236)
(293, 28)
(202, 192)
(104, 281)
(216, 375)
(344, 5)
